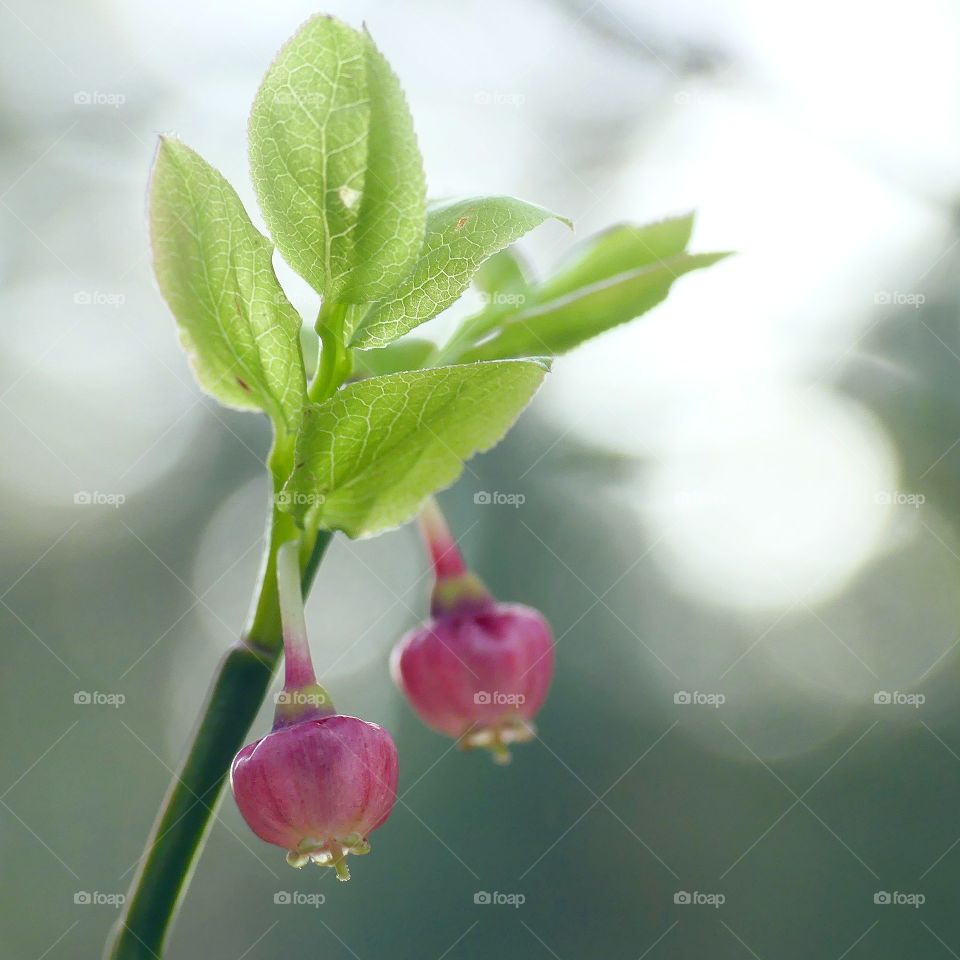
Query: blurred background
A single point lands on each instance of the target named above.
(741, 514)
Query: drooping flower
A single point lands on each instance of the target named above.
(321, 782)
(477, 670)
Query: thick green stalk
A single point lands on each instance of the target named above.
(336, 358)
(236, 694)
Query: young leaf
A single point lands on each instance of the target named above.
(336, 165)
(503, 284)
(505, 272)
(560, 325)
(626, 246)
(411, 353)
(215, 271)
(368, 457)
(460, 235)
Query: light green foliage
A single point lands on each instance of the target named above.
(560, 325)
(214, 270)
(336, 165)
(461, 235)
(340, 181)
(619, 249)
(410, 353)
(614, 277)
(368, 457)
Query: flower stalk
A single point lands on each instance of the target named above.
(236, 693)
(320, 782)
(455, 586)
(302, 697)
(477, 670)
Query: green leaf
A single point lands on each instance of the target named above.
(336, 165)
(503, 273)
(310, 347)
(215, 271)
(460, 235)
(562, 324)
(503, 285)
(411, 353)
(624, 247)
(369, 456)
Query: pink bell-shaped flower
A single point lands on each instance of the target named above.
(478, 670)
(320, 783)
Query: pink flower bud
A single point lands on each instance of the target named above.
(320, 783)
(317, 788)
(478, 670)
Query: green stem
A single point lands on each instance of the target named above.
(336, 358)
(238, 690)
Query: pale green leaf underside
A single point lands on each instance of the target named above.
(460, 236)
(503, 273)
(215, 271)
(410, 353)
(620, 248)
(368, 457)
(561, 325)
(336, 165)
